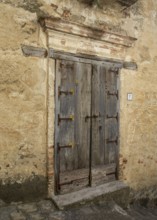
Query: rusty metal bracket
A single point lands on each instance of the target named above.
(60, 92)
(113, 94)
(59, 147)
(112, 117)
(70, 118)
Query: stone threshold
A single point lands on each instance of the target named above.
(116, 191)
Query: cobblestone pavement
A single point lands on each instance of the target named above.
(45, 210)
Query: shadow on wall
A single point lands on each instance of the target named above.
(32, 189)
(101, 3)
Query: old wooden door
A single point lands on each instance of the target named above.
(86, 129)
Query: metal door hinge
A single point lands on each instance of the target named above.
(113, 94)
(59, 147)
(60, 92)
(70, 118)
(112, 117)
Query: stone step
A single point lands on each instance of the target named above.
(141, 213)
(116, 191)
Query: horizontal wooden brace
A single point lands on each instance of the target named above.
(70, 182)
(84, 58)
(130, 65)
(42, 52)
(33, 51)
(116, 64)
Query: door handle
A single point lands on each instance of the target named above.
(92, 116)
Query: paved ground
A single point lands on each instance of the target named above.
(45, 210)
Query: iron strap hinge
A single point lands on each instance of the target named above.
(112, 117)
(60, 92)
(113, 94)
(59, 147)
(70, 118)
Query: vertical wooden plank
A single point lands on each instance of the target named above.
(82, 109)
(98, 111)
(67, 108)
(96, 155)
(118, 126)
(57, 111)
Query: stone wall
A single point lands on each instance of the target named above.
(23, 92)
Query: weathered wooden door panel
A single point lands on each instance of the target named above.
(99, 112)
(82, 109)
(73, 89)
(66, 114)
(105, 122)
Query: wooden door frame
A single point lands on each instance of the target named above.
(90, 59)
(84, 58)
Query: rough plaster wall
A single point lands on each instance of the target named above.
(138, 117)
(23, 87)
(22, 106)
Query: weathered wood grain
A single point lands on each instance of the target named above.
(33, 51)
(70, 176)
(67, 109)
(84, 58)
(74, 186)
(93, 132)
(112, 119)
(98, 109)
(130, 65)
(103, 179)
(82, 108)
(72, 76)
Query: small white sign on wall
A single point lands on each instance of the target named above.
(130, 96)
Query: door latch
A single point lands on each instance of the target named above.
(92, 116)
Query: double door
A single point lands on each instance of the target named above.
(86, 124)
